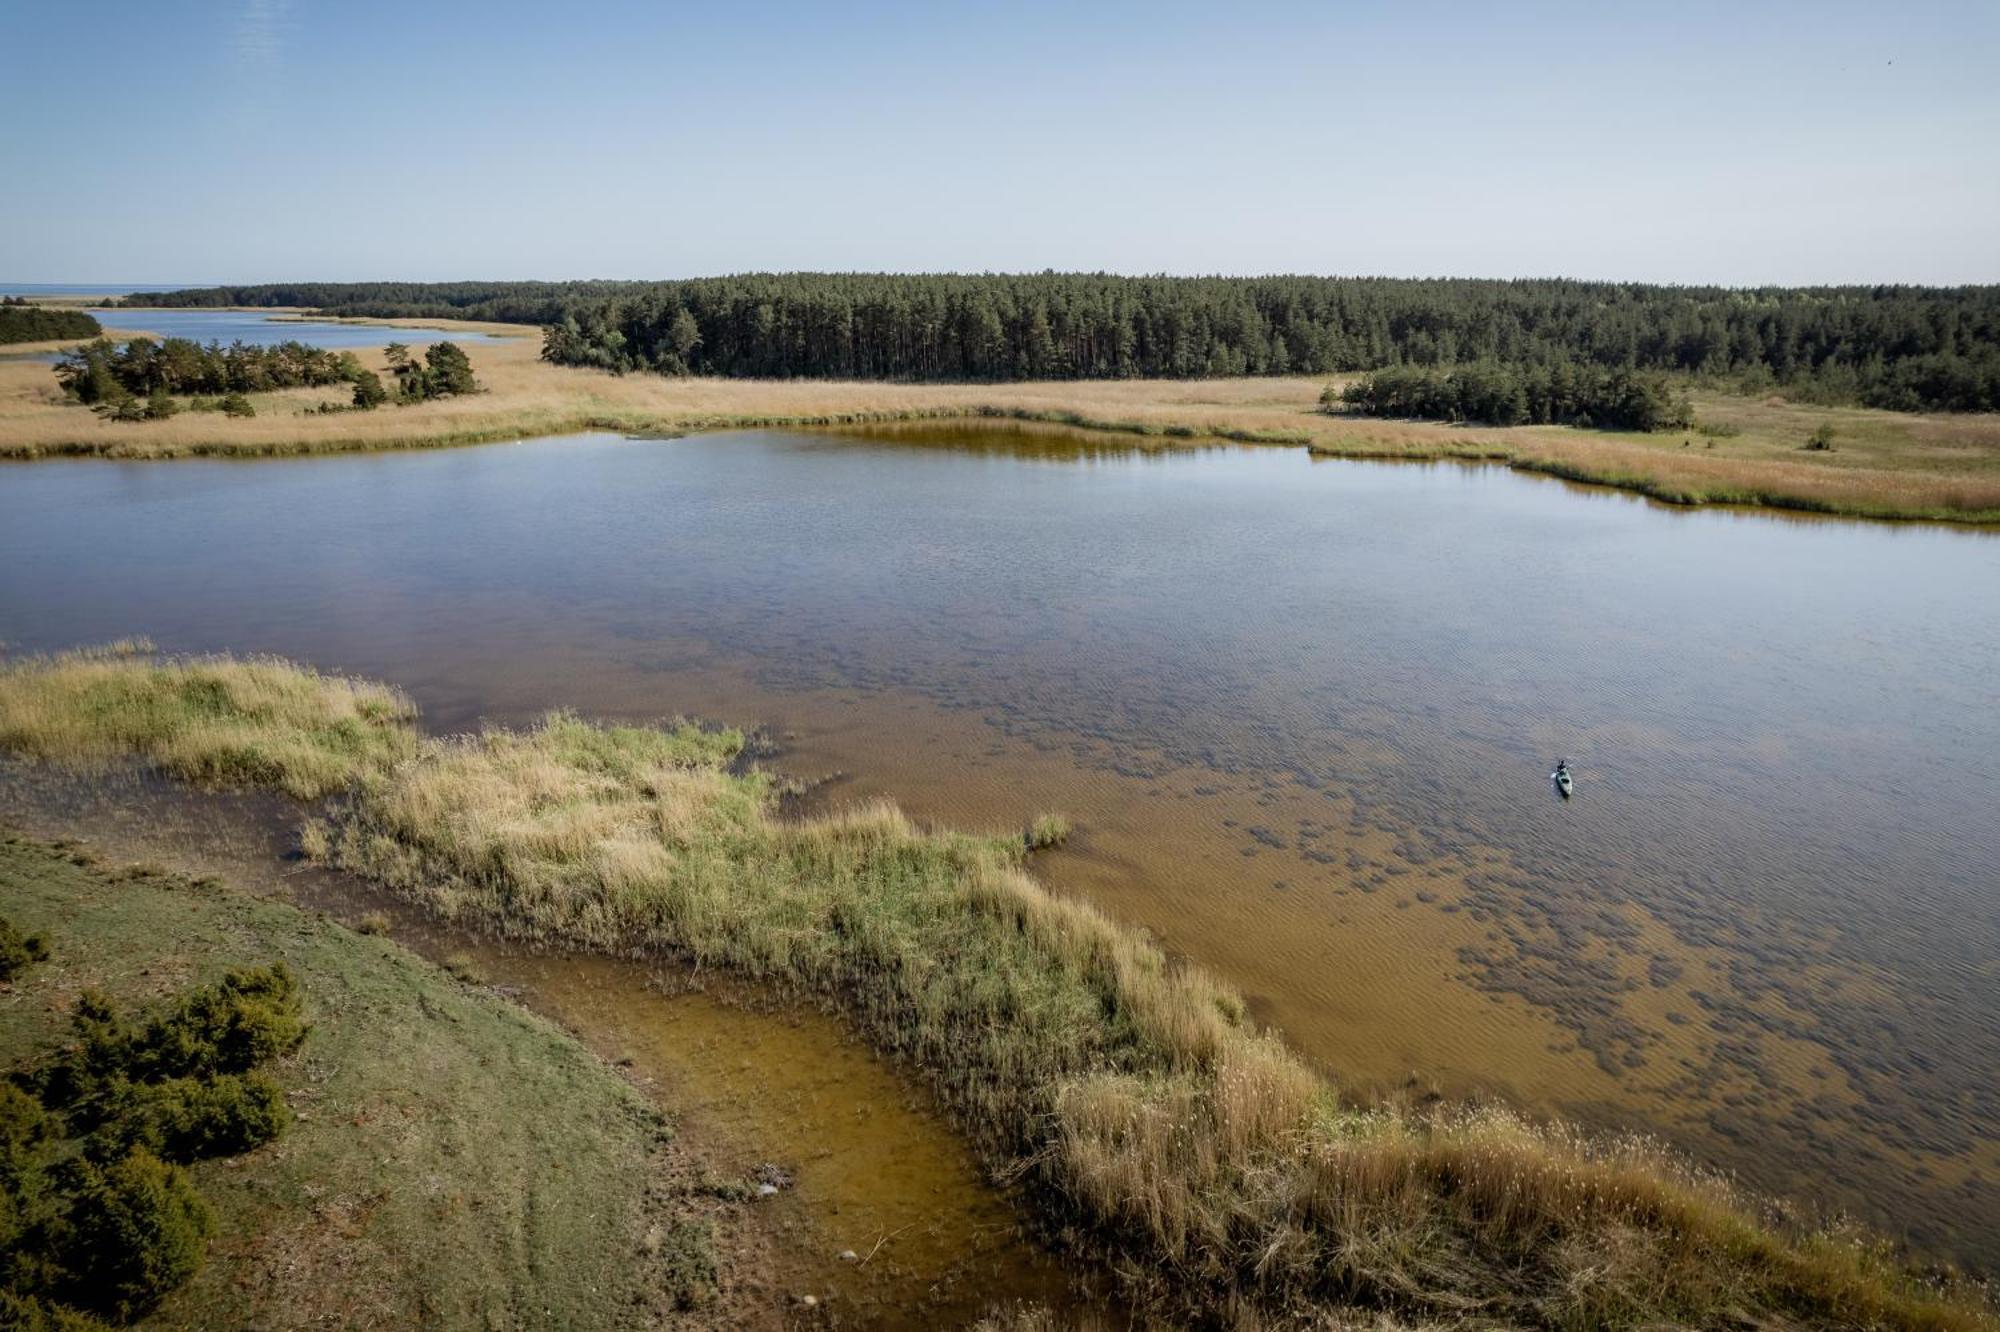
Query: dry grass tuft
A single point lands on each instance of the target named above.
(217, 721)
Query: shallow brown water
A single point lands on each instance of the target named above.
(1303, 712)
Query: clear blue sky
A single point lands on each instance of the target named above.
(281, 139)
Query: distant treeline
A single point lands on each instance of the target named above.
(22, 322)
(1900, 347)
(1576, 395)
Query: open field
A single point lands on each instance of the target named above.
(1134, 1095)
(1884, 464)
(453, 1161)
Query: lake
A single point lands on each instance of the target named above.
(1303, 712)
(264, 330)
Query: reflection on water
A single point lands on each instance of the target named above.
(1304, 713)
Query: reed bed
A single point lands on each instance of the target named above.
(222, 721)
(1142, 1108)
(1886, 464)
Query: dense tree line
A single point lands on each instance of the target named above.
(1892, 346)
(22, 322)
(1577, 395)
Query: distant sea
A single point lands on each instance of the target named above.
(88, 288)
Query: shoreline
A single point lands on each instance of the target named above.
(1144, 1112)
(1745, 453)
(1680, 495)
(744, 1076)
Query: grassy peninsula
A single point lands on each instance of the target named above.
(1741, 449)
(1141, 1106)
(449, 1161)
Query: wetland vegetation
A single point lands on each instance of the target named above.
(1145, 1108)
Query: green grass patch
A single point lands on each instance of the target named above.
(453, 1161)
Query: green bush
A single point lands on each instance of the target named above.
(22, 1313)
(191, 1119)
(115, 1071)
(114, 1226)
(19, 951)
(136, 1230)
(237, 405)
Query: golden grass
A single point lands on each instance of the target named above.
(211, 720)
(1886, 464)
(1134, 1095)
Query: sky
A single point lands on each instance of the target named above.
(277, 140)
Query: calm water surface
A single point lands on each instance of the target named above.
(1303, 711)
(265, 330)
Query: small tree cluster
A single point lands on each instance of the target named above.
(444, 372)
(97, 1210)
(103, 371)
(1503, 395)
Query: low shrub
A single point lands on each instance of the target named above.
(21, 1313)
(111, 1223)
(191, 1119)
(230, 1027)
(19, 951)
(135, 1230)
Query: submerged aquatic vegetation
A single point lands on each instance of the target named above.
(1133, 1094)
